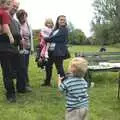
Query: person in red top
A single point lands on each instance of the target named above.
(7, 50)
(5, 5)
(5, 16)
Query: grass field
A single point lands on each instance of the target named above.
(46, 103)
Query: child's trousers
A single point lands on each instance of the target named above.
(77, 114)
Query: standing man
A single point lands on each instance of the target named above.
(18, 67)
(7, 51)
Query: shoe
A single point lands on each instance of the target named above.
(28, 89)
(22, 91)
(11, 98)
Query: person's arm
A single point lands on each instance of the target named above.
(59, 81)
(31, 39)
(48, 45)
(5, 24)
(60, 37)
(6, 30)
(62, 85)
(46, 51)
(22, 41)
(18, 36)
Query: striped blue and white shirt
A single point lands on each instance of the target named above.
(75, 90)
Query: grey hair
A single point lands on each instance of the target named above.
(3, 1)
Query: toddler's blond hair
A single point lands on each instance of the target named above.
(80, 66)
(49, 21)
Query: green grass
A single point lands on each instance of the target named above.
(46, 103)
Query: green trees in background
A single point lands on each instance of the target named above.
(106, 23)
(76, 36)
(36, 37)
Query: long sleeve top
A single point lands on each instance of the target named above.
(26, 33)
(60, 38)
(75, 91)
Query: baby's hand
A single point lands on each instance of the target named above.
(60, 78)
(46, 55)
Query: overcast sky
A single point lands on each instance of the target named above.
(79, 12)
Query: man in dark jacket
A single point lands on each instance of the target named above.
(18, 61)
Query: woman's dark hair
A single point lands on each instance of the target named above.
(21, 13)
(57, 24)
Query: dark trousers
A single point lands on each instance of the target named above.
(26, 65)
(18, 67)
(59, 66)
(7, 63)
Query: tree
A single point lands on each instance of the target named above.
(106, 23)
(36, 37)
(76, 36)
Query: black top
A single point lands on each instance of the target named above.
(5, 45)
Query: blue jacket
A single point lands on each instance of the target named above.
(60, 39)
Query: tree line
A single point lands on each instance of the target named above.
(105, 25)
(106, 22)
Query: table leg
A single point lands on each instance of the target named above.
(88, 77)
(118, 85)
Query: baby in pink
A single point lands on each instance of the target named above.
(45, 32)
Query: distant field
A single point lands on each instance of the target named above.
(46, 103)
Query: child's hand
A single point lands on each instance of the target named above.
(61, 78)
